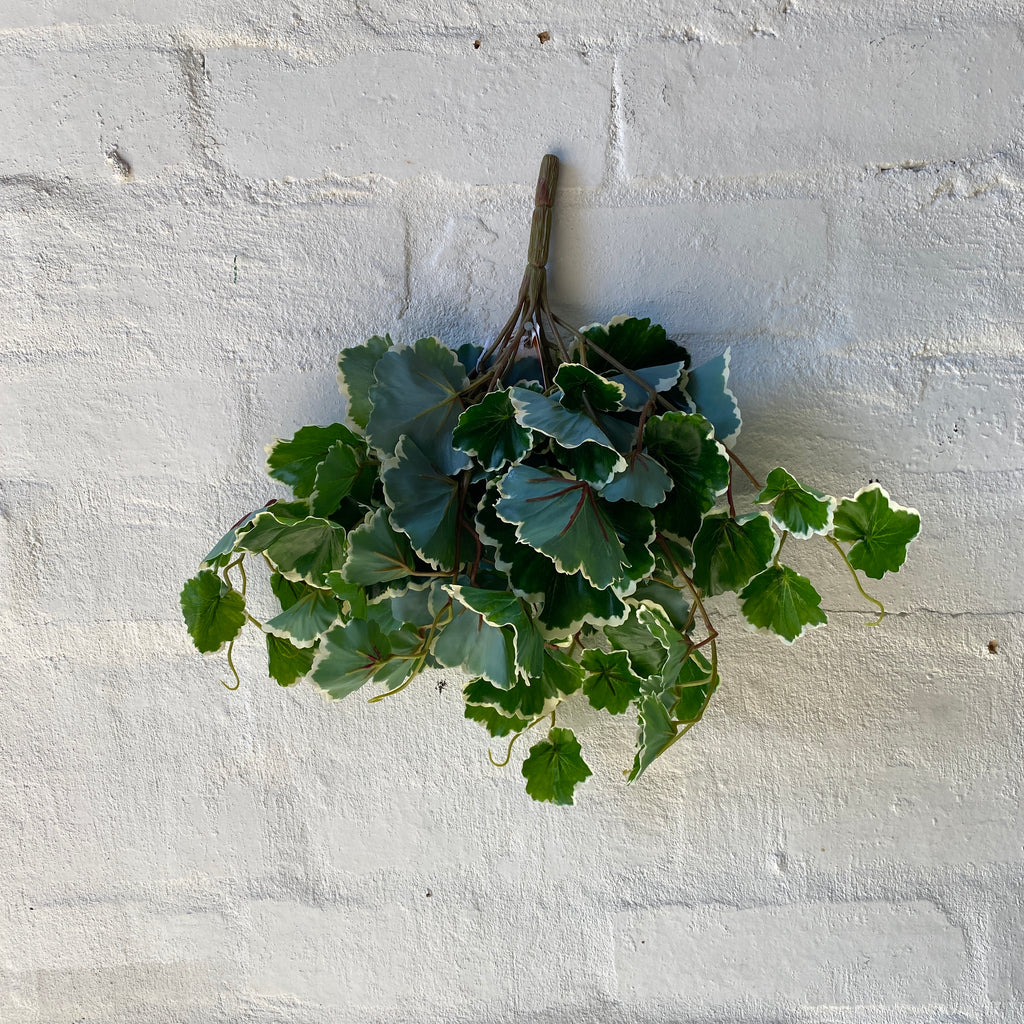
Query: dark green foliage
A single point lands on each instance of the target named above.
(545, 525)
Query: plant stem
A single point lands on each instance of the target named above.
(856, 579)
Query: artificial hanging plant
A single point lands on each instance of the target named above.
(547, 514)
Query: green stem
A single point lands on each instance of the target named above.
(856, 580)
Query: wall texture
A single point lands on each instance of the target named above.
(201, 202)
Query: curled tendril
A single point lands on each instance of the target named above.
(856, 580)
(234, 671)
(511, 742)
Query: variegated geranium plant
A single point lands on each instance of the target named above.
(547, 515)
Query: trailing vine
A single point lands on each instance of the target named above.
(547, 514)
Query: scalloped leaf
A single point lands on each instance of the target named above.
(418, 394)
(221, 552)
(684, 444)
(555, 767)
(801, 510)
(672, 555)
(783, 602)
(568, 601)
(214, 613)
(478, 648)
(655, 733)
(286, 663)
(643, 481)
(356, 367)
(564, 519)
(494, 721)
(610, 684)
(353, 653)
(634, 343)
(530, 700)
(878, 528)
(301, 549)
(490, 431)
(581, 387)
(377, 554)
(708, 389)
(692, 688)
(344, 470)
(294, 461)
(306, 611)
(425, 505)
(591, 462)
(661, 378)
(501, 608)
(642, 637)
(570, 429)
(729, 552)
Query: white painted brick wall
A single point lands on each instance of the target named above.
(834, 190)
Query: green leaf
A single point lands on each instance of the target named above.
(549, 417)
(708, 390)
(214, 613)
(555, 767)
(224, 548)
(633, 343)
(306, 611)
(472, 644)
(802, 511)
(342, 468)
(425, 506)
(685, 446)
(878, 528)
(490, 431)
(642, 481)
(570, 602)
(377, 554)
(610, 684)
(672, 555)
(301, 549)
(655, 732)
(294, 461)
(530, 700)
(661, 378)
(564, 519)
(782, 601)
(643, 639)
(356, 367)
(418, 394)
(494, 721)
(353, 653)
(591, 462)
(670, 602)
(581, 387)
(729, 552)
(501, 608)
(287, 663)
(692, 688)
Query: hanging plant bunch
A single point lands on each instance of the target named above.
(546, 515)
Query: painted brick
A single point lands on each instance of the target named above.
(781, 102)
(932, 254)
(130, 274)
(395, 114)
(83, 106)
(905, 954)
(723, 268)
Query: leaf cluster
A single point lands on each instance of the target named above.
(550, 524)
